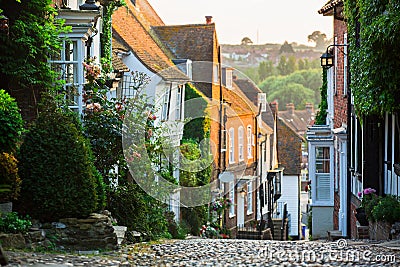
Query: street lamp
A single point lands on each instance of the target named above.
(4, 24)
(242, 192)
(327, 57)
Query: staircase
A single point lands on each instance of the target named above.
(278, 233)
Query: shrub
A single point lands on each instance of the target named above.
(10, 183)
(387, 209)
(55, 164)
(134, 208)
(11, 123)
(13, 223)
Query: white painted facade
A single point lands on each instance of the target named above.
(167, 98)
(291, 196)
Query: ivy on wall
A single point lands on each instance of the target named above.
(106, 37)
(373, 27)
(32, 40)
(320, 118)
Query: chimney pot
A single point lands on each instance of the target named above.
(209, 19)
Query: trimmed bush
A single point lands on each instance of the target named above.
(10, 183)
(11, 123)
(59, 178)
(134, 208)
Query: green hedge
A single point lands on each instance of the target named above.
(59, 179)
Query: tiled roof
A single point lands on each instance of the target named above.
(298, 120)
(251, 91)
(118, 46)
(329, 5)
(289, 149)
(237, 101)
(132, 27)
(194, 42)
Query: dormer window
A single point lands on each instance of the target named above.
(227, 76)
(262, 100)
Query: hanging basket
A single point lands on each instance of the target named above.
(397, 168)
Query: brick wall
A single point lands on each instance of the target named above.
(354, 203)
(340, 98)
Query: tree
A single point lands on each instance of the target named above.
(265, 69)
(246, 41)
(286, 48)
(292, 93)
(319, 39)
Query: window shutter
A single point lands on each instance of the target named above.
(323, 187)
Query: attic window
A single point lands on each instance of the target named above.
(262, 100)
(228, 78)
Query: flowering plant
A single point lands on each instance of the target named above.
(221, 204)
(208, 231)
(369, 199)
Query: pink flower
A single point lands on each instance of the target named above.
(359, 194)
(368, 191)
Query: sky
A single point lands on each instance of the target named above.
(263, 21)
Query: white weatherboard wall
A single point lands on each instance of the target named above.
(291, 195)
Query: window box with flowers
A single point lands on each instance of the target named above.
(218, 208)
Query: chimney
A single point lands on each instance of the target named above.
(310, 108)
(208, 19)
(274, 107)
(290, 108)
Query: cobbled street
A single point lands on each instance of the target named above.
(210, 252)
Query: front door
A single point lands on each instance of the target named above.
(343, 188)
(240, 211)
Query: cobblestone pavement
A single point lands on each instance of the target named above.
(209, 252)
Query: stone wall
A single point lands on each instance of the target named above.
(94, 232)
(379, 230)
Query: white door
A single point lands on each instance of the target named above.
(240, 211)
(343, 189)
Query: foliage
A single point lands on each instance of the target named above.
(286, 48)
(387, 209)
(134, 208)
(266, 69)
(103, 119)
(246, 41)
(194, 218)
(293, 93)
(177, 230)
(13, 223)
(198, 172)
(286, 65)
(109, 6)
(11, 123)
(306, 81)
(33, 39)
(10, 182)
(221, 204)
(373, 28)
(209, 231)
(320, 118)
(369, 201)
(319, 39)
(56, 167)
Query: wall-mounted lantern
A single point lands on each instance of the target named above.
(327, 57)
(4, 24)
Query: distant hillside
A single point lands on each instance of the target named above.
(247, 56)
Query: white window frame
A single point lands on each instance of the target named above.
(316, 177)
(249, 142)
(166, 104)
(241, 143)
(77, 70)
(262, 99)
(216, 73)
(229, 79)
(178, 110)
(249, 197)
(232, 198)
(231, 145)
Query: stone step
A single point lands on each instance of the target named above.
(334, 235)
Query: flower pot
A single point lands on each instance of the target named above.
(361, 217)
